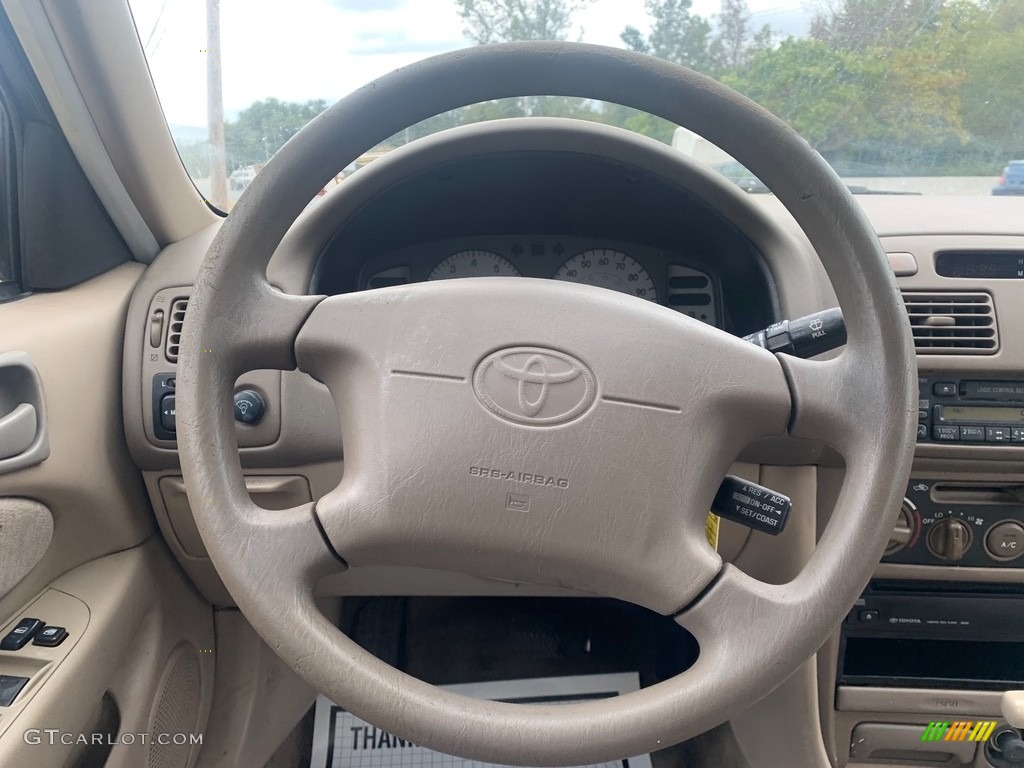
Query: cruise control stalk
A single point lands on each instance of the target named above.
(805, 337)
(752, 505)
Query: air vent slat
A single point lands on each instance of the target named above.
(177, 322)
(690, 291)
(952, 323)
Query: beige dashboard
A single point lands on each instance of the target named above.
(293, 453)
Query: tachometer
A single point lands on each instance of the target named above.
(473, 264)
(609, 269)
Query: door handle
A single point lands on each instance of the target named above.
(23, 439)
(17, 430)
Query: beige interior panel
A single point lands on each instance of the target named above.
(782, 730)
(931, 701)
(305, 425)
(26, 528)
(157, 359)
(898, 747)
(35, 662)
(267, 491)
(872, 743)
(89, 483)
(127, 613)
(271, 489)
(258, 698)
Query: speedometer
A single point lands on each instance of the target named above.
(609, 269)
(473, 264)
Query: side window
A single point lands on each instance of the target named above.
(9, 278)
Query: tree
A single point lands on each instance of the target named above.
(635, 40)
(857, 25)
(992, 94)
(889, 106)
(497, 21)
(262, 128)
(676, 34)
(494, 21)
(732, 38)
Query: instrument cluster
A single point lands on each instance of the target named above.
(672, 279)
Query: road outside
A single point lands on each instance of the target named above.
(929, 185)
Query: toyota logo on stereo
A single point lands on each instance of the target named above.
(534, 386)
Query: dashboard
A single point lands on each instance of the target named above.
(646, 272)
(637, 218)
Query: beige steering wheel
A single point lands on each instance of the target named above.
(613, 419)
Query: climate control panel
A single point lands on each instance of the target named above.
(959, 524)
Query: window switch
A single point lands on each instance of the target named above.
(10, 687)
(18, 637)
(50, 636)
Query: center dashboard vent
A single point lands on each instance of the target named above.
(952, 323)
(177, 322)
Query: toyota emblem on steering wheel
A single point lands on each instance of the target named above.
(534, 386)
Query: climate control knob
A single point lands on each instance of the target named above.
(904, 528)
(949, 539)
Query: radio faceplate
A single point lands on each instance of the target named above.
(964, 411)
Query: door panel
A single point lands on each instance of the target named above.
(138, 659)
(27, 530)
(78, 550)
(96, 495)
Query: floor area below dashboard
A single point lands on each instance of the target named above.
(447, 641)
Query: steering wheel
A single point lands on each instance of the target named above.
(543, 431)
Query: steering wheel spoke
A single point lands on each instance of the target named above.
(835, 401)
(256, 329)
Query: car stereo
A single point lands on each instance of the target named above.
(970, 411)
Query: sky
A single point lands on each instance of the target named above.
(324, 49)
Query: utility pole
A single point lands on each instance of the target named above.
(215, 108)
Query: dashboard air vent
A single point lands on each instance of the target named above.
(691, 292)
(952, 323)
(177, 322)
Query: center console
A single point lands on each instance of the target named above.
(923, 658)
(955, 409)
(959, 523)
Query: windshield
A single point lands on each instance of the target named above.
(900, 96)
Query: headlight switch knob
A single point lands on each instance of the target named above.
(249, 406)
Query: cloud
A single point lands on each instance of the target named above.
(366, 6)
(391, 41)
(783, 21)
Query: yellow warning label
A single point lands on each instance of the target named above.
(711, 530)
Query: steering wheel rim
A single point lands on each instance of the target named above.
(270, 561)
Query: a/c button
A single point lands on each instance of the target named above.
(1005, 541)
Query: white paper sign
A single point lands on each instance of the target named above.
(342, 740)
